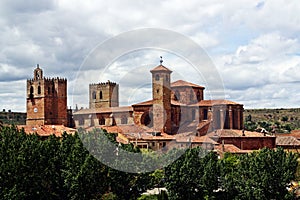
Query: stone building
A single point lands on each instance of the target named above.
(174, 108)
(46, 100)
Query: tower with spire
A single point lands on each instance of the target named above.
(161, 94)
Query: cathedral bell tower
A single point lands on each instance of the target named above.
(46, 100)
(161, 93)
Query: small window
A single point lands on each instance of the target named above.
(31, 92)
(205, 114)
(167, 78)
(100, 95)
(101, 121)
(157, 77)
(81, 121)
(157, 91)
(39, 89)
(124, 120)
(177, 95)
(198, 95)
(94, 95)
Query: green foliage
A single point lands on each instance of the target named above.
(192, 176)
(264, 174)
(62, 168)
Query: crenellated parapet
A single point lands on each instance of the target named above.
(108, 83)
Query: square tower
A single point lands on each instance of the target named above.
(161, 93)
(46, 100)
(103, 95)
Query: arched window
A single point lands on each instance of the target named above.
(31, 92)
(205, 114)
(199, 96)
(39, 89)
(157, 77)
(167, 78)
(100, 95)
(94, 95)
(177, 95)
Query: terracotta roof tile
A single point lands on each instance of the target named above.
(287, 141)
(235, 133)
(181, 83)
(47, 130)
(215, 102)
(150, 103)
(161, 68)
(230, 148)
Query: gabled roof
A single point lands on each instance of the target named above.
(181, 83)
(160, 68)
(215, 102)
(150, 103)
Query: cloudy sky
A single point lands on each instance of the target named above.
(251, 47)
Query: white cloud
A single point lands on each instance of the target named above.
(254, 44)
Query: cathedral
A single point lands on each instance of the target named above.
(175, 107)
(177, 115)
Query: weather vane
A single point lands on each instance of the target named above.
(161, 60)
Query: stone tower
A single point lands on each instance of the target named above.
(161, 93)
(103, 95)
(46, 100)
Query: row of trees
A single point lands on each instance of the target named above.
(61, 168)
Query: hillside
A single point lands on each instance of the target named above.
(281, 120)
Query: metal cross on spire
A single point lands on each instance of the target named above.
(161, 60)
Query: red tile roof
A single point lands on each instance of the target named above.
(235, 133)
(181, 83)
(230, 148)
(287, 141)
(215, 102)
(47, 130)
(150, 103)
(161, 68)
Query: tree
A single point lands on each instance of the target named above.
(263, 175)
(192, 176)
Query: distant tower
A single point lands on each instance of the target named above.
(46, 100)
(103, 95)
(161, 93)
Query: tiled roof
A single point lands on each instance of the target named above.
(287, 141)
(150, 103)
(230, 148)
(161, 68)
(294, 133)
(181, 83)
(47, 130)
(194, 139)
(104, 110)
(234, 133)
(215, 102)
